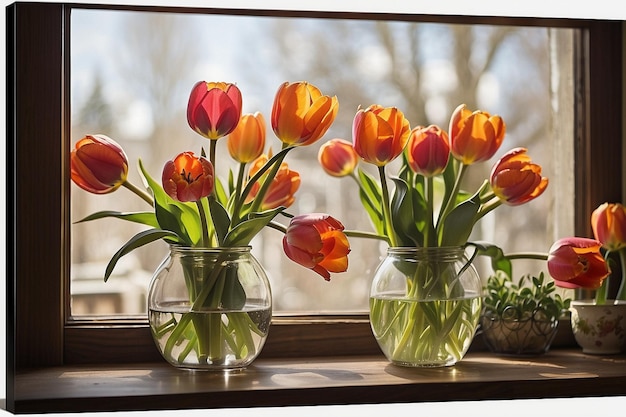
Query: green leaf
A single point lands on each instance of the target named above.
(220, 192)
(243, 233)
(145, 217)
(458, 224)
(499, 262)
(221, 220)
(402, 215)
(233, 296)
(181, 218)
(140, 239)
(370, 194)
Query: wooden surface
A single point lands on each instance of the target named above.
(309, 381)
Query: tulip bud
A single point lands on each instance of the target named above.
(214, 109)
(577, 263)
(188, 177)
(338, 158)
(380, 134)
(316, 241)
(247, 141)
(428, 150)
(301, 114)
(282, 189)
(475, 136)
(515, 179)
(98, 164)
(608, 222)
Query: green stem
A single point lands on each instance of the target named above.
(238, 197)
(141, 193)
(386, 207)
(448, 205)
(601, 293)
(621, 293)
(429, 229)
(367, 235)
(528, 255)
(204, 224)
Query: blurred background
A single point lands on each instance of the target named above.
(131, 74)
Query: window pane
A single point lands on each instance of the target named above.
(131, 77)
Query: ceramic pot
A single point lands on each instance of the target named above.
(599, 329)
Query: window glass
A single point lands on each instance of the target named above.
(131, 73)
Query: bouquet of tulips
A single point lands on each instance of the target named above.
(191, 207)
(428, 207)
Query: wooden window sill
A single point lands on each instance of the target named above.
(314, 381)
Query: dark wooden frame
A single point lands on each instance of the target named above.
(38, 334)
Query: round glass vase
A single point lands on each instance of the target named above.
(210, 308)
(425, 305)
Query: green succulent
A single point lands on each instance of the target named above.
(530, 297)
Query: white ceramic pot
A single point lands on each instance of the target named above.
(599, 329)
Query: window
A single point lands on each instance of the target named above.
(130, 82)
(40, 136)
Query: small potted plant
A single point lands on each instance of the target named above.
(521, 318)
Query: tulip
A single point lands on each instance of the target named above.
(301, 114)
(475, 136)
(428, 150)
(98, 164)
(515, 179)
(337, 157)
(609, 225)
(282, 189)
(188, 177)
(576, 262)
(247, 141)
(316, 241)
(214, 109)
(380, 134)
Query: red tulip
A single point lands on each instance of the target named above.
(316, 241)
(576, 262)
(282, 189)
(214, 109)
(98, 164)
(609, 225)
(188, 177)
(380, 134)
(515, 179)
(301, 114)
(475, 136)
(247, 141)
(338, 158)
(428, 150)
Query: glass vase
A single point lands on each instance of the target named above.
(210, 309)
(425, 305)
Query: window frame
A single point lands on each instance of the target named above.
(38, 333)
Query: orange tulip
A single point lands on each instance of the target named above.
(301, 114)
(188, 177)
(98, 164)
(428, 150)
(214, 108)
(316, 241)
(282, 189)
(338, 158)
(380, 134)
(247, 141)
(609, 225)
(475, 136)
(576, 262)
(515, 179)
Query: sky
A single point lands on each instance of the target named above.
(597, 9)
